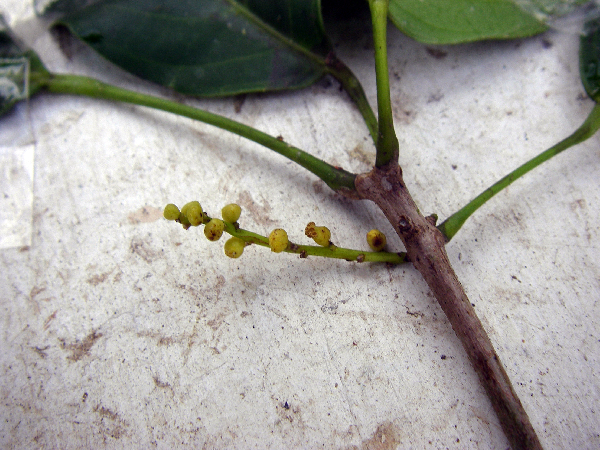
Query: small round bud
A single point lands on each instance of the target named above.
(321, 235)
(234, 247)
(376, 240)
(171, 212)
(193, 212)
(278, 240)
(231, 213)
(213, 230)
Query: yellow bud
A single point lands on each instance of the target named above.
(193, 212)
(376, 240)
(214, 229)
(171, 212)
(231, 213)
(278, 240)
(321, 235)
(234, 247)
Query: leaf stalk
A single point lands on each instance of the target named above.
(336, 178)
(387, 142)
(590, 126)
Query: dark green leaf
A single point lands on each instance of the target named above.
(208, 47)
(589, 59)
(455, 21)
(21, 72)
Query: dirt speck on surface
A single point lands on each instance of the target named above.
(145, 214)
(258, 213)
(386, 437)
(79, 349)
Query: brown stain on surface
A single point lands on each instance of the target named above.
(145, 214)
(365, 157)
(386, 437)
(95, 280)
(105, 412)
(142, 249)
(259, 213)
(49, 319)
(111, 425)
(81, 348)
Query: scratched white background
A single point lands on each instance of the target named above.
(120, 330)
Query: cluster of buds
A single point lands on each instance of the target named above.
(192, 215)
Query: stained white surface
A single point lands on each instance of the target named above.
(120, 330)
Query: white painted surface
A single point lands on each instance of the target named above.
(120, 330)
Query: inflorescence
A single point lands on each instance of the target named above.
(192, 215)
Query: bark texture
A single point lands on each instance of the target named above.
(425, 247)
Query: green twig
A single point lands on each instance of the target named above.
(335, 178)
(453, 223)
(387, 142)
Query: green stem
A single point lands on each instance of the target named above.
(334, 177)
(387, 142)
(453, 223)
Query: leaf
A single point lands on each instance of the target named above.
(589, 59)
(22, 73)
(207, 47)
(456, 21)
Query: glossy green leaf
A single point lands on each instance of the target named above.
(208, 47)
(589, 59)
(456, 21)
(21, 72)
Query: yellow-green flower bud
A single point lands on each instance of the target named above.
(234, 247)
(213, 230)
(278, 240)
(321, 235)
(376, 240)
(171, 212)
(231, 213)
(193, 212)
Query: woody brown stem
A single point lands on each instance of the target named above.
(425, 249)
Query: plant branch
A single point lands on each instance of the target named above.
(425, 249)
(336, 178)
(453, 223)
(387, 142)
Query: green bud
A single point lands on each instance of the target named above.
(376, 240)
(278, 240)
(213, 230)
(193, 212)
(234, 247)
(231, 213)
(171, 212)
(321, 235)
